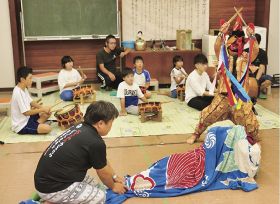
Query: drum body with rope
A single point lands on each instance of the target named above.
(68, 116)
(180, 89)
(150, 111)
(84, 94)
(85, 91)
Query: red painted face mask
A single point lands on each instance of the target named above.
(237, 46)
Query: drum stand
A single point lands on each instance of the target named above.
(86, 99)
(150, 111)
(154, 116)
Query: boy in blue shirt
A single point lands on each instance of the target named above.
(141, 76)
(129, 93)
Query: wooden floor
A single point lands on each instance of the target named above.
(131, 155)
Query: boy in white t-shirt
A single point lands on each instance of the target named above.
(68, 79)
(28, 117)
(178, 75)
(141, 76)
(129, 93)
(197, 84)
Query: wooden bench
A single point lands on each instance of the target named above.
(40, 88)
(5, 103)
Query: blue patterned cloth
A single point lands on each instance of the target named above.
(29, 202)
(225, 168)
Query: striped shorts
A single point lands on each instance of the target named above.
(85, 192)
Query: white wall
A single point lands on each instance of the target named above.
(273, 39)
(6, 49)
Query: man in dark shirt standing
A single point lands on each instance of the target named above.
(257, 70)
(106, 63)
(60, 176)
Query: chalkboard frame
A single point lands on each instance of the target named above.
(68, 37)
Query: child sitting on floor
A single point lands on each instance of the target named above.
(129, 93)
(28, 117)
(196, 95)
(178, 75)
(141, 76)
(68, 79)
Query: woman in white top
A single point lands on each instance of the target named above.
(197, 84)
(178, 75)
(68, 79)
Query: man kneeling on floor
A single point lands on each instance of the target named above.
(60, 176)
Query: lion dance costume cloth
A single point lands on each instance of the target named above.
(232, 101)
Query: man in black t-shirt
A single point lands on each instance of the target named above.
(106, 63)
(257, 69)
(60, 176)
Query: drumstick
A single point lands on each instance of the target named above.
(183, 73)
(38, 100)
(238, 13)
(58, 102)
(60, 109)
(81, 71)
(233, 17)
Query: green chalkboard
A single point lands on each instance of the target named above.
(64, 18)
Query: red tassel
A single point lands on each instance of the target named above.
(238, 24)
(240, 46)
(230, 95)
(252, 26)
(222, 21)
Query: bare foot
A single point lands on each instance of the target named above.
(191, 139)
(264, 85)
